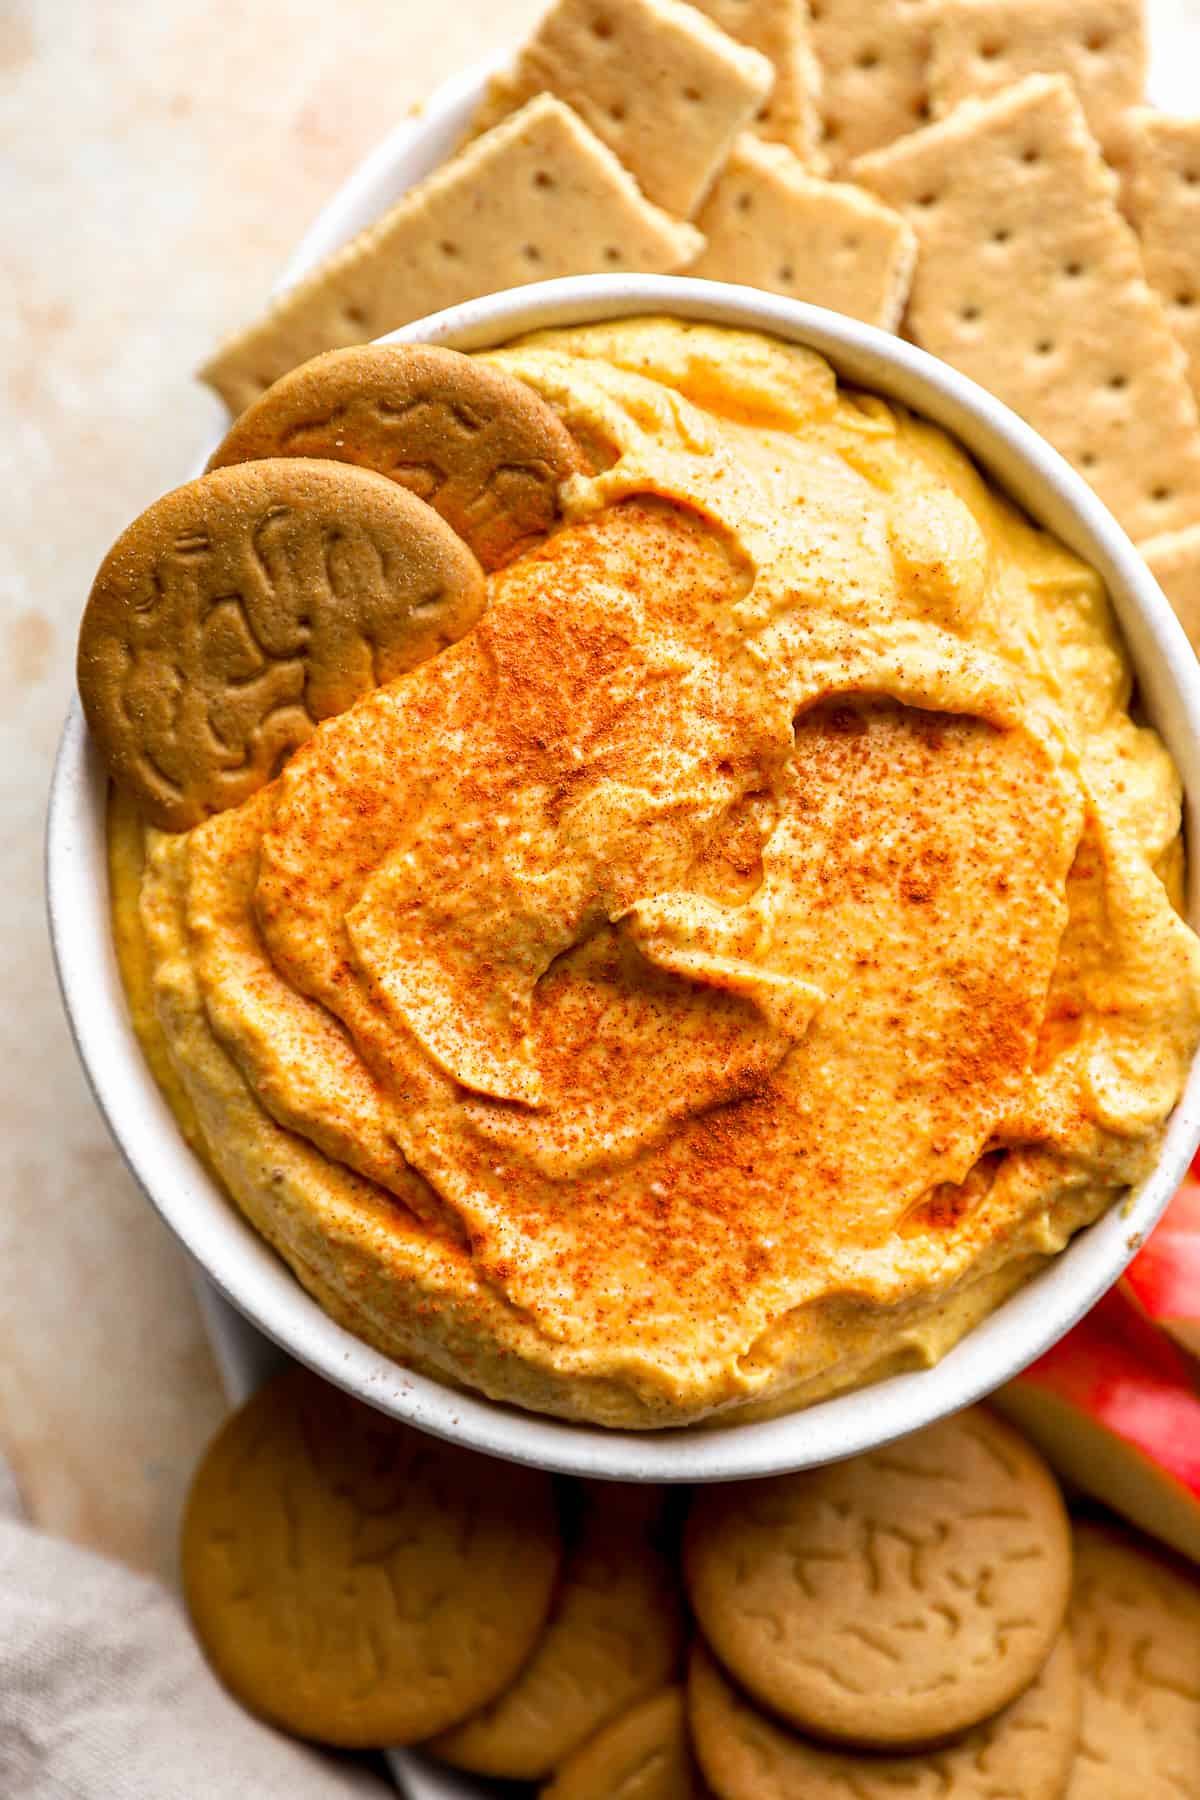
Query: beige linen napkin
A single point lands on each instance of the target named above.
(104, 1695)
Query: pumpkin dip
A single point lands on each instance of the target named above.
(736, 965)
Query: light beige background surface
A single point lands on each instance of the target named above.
(158, 159)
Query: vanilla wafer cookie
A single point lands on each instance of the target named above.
(643, 1755)
(355, 1581)
(891, 1599)
(480, 447)
(614, 1637)
(1025, 1752)
(242, 609)
(1135, 1621)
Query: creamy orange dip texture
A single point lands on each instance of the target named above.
(731, 969)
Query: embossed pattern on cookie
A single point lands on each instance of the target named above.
(615, 1635)
(354, 1581)
(1024, 1753)
(1135, 1621)
(643, 1755)
(480, 447)
(242, 609)
(893, 1599)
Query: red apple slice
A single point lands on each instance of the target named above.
(1114, 1409)
(1164, 1277)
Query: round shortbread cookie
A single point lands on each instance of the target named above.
(1135, 1622)
(472, 441)
(240, 610)
(615, 1635)
(1024, 1753)
(354, 1581)
(894, 1599)
(643, 1755)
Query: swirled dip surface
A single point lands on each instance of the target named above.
(733, 967)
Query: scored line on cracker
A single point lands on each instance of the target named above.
(773, 225)
(654, 79)
(539, 196)
(1029, 280)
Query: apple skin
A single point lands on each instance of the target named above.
(1115, 1409)
(1163, 1280)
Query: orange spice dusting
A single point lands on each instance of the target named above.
(696, 961)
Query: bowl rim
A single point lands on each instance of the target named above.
(260, 1286)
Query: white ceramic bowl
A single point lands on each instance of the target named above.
(239, 1262)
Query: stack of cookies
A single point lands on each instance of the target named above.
(974, 172)
(923, 1619)
(341, 536)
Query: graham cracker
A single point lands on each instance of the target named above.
(781, 30)
(654, 79)
(1174, 561)
(537, 197)
(1162, 197)
(1030, 281)
(981, 46)
(874, 57)
(772, 224)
